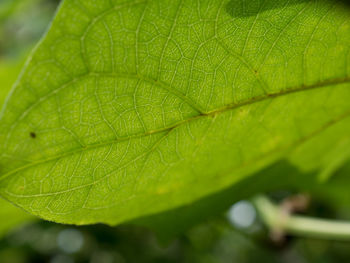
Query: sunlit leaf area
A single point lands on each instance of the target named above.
(211, 131)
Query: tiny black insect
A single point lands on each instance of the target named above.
(32, 134)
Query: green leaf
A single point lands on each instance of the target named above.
(131, 108)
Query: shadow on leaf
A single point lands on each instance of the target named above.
(239, 8)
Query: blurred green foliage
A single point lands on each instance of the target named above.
(210, 242)
(21, 25)
(11, 216)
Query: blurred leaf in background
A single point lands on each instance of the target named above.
(11, 216)
(9, 71)
(22, 23)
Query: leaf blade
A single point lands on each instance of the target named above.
(130, 112)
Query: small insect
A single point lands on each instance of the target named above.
(32, 134)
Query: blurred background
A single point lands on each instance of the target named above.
(236, 235)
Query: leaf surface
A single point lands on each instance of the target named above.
(131, 108)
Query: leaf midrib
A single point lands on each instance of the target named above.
(296, 144)
(226, 108)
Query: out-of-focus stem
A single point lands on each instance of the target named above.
(280, 221)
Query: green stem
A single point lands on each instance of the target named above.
(278, 220)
